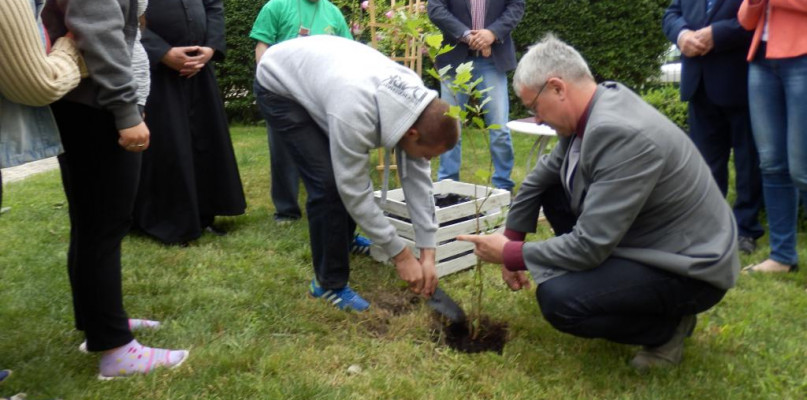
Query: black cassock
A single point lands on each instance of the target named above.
(189, 172)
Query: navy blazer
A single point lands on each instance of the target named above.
(453, 17)
(723, 71)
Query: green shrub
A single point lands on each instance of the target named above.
(236, 73)
(621, 40)
(667, 99)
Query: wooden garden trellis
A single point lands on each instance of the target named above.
(412, 55)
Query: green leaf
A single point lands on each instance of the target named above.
(484, 101)
(454, 111)
(444, 71)
(434, 41)
(445, 49)
(479, 122)
(494, 126)
(466, 67)
(462, 77)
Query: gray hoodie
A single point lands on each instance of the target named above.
(105, 32)
(363, 101)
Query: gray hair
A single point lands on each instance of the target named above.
(547, 58)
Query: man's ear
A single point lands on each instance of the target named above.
(558, 86)
(411, 134)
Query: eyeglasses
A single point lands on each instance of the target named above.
(531, 107)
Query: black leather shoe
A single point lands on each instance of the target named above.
(746, 244)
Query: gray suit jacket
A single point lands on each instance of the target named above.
(641, 192)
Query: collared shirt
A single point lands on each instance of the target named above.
(478, 14)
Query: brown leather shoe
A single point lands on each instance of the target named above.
(668, 354)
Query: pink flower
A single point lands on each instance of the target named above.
(355, 29)
(365, 4)
(390, 14)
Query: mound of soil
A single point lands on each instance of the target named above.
(394, 303)
(384, 306)
(492, 336)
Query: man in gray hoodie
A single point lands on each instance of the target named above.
(331, 101)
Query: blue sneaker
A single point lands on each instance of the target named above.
(344, 298)
(4, 374)
(360, 245)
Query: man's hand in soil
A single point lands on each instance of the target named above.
(410, 270)
(429, 272)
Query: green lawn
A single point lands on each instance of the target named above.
(239, 303)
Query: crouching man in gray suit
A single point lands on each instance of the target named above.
(645, 240)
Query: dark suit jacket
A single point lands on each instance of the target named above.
(641, 192)
(723, 71)
(173, 23)
(453, 17)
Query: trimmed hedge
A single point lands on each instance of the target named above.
(620, 39)
(237, 72)
(667, 99)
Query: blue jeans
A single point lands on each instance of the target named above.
(777, 93)
(620, 300)
(330, 227)
(284, 176)
(497, 112)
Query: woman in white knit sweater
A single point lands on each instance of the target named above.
(29, 80)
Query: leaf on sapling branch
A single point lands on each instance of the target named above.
(454, 112)
(484, 101)
(465, 67)
(434, 41)
(479, 122)
(485, 90)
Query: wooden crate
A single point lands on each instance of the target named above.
(451, 255)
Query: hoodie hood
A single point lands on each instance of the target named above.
(401, 99)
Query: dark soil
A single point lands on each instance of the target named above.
(394, 303)
(443, 200)
(492, 336)
(385, 305)
(449, 199)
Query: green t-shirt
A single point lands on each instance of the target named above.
(280, 20)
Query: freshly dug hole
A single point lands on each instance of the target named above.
(492, 335)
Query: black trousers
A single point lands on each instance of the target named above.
(716, 131)
(100, 181)
(330, 227)
(620, 300)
